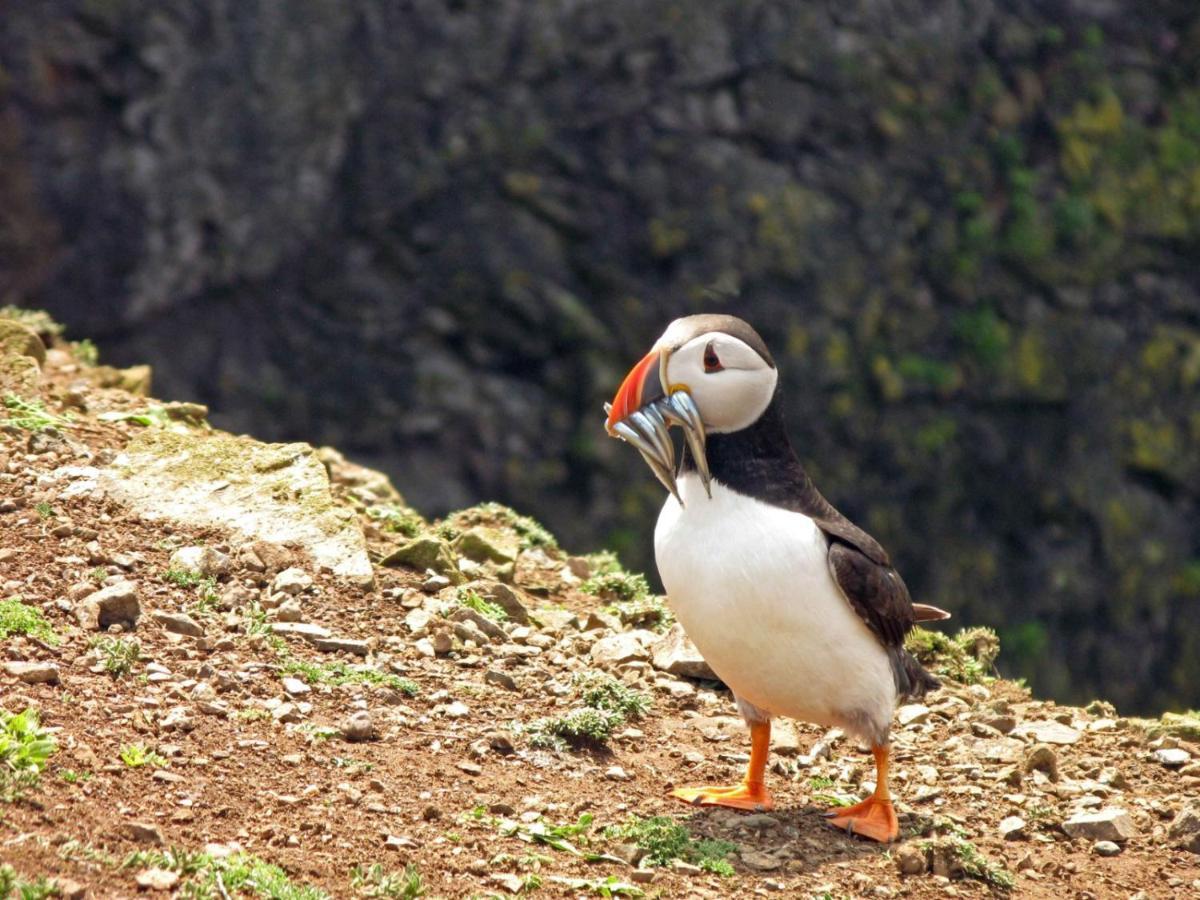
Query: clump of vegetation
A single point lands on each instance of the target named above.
(336, 673)
(665, 840)
(206, 585)
(606, 705)
(600, 690)
(44, 510)
(971, 863)
(481, 605)
(137, 755)
(612, 583)
(70, 776)
(25, 747)
(11, 884)
(531, 532)
(579, 727)
(398, 519)
(1185, 725)
(377, 882)
(86, 352)
(968, 656)
(117, 655)
(18, 618)
(210, 878)
(31, 415)
(36, 320)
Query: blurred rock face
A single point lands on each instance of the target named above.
(435, 234)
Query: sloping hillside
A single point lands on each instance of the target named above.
(232, 669)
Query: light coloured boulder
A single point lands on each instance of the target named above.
(272, 492)
(675, 653)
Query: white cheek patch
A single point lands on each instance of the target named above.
(733, 398)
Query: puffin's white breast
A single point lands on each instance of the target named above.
(750, 583)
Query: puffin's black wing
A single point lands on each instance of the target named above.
(881, 599)
(877, 593)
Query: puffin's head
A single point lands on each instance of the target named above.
(708, 374)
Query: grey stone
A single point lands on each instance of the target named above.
(33, 672)
(910, 860)
(1012, 828)
(144, 833)
(426, 553)
(310, 632)
(179, 623)
(157, 879)
(1172, 757)
(480, 621)
(1041, 757)
(352, 646)
(482, 544)
(1108, 824)
(274, 493)
(206, 562)
(291, 581)
(1049, 732)
(358, 726)
(1106, 848)
(675, 653)
(504, 597)
(500, 679)
(294, 687)
(912, 714)
(1184, 830)
(116, 604)
(622, 648)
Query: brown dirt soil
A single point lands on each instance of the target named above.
(316, 805)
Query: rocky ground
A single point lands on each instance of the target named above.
(341, 699)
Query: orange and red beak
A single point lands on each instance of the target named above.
(643, 412)
(641, 387)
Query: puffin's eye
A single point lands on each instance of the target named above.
(712, 362)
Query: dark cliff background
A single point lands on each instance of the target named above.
(436, 234)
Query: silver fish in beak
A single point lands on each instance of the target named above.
(642, 415)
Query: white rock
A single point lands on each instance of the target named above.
(675, 653)
(203, 561)
(108, 606)
(1049, 732)
(271, 492)
(33, 672)
(912, 714)
(294, 687)
(1108, 824)
(291, 581)
(1172, 757)
(622, 648)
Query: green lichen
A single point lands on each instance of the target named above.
(968, 656)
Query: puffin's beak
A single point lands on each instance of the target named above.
(644, 410)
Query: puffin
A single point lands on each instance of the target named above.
(797, 610)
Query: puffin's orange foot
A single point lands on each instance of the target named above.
(873, 818)
(739, 796)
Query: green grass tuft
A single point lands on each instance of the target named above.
(31, 415)
(337, 673)
(17, 618)
(25, 748)
(377, 882)
(665, 840)
(579, 728)
(481, 605)
(137, 755)
(118, 655)
(602, 691)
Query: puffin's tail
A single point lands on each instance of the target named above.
(912, 679)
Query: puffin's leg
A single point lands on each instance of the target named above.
(751, 794)
(874, 817)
